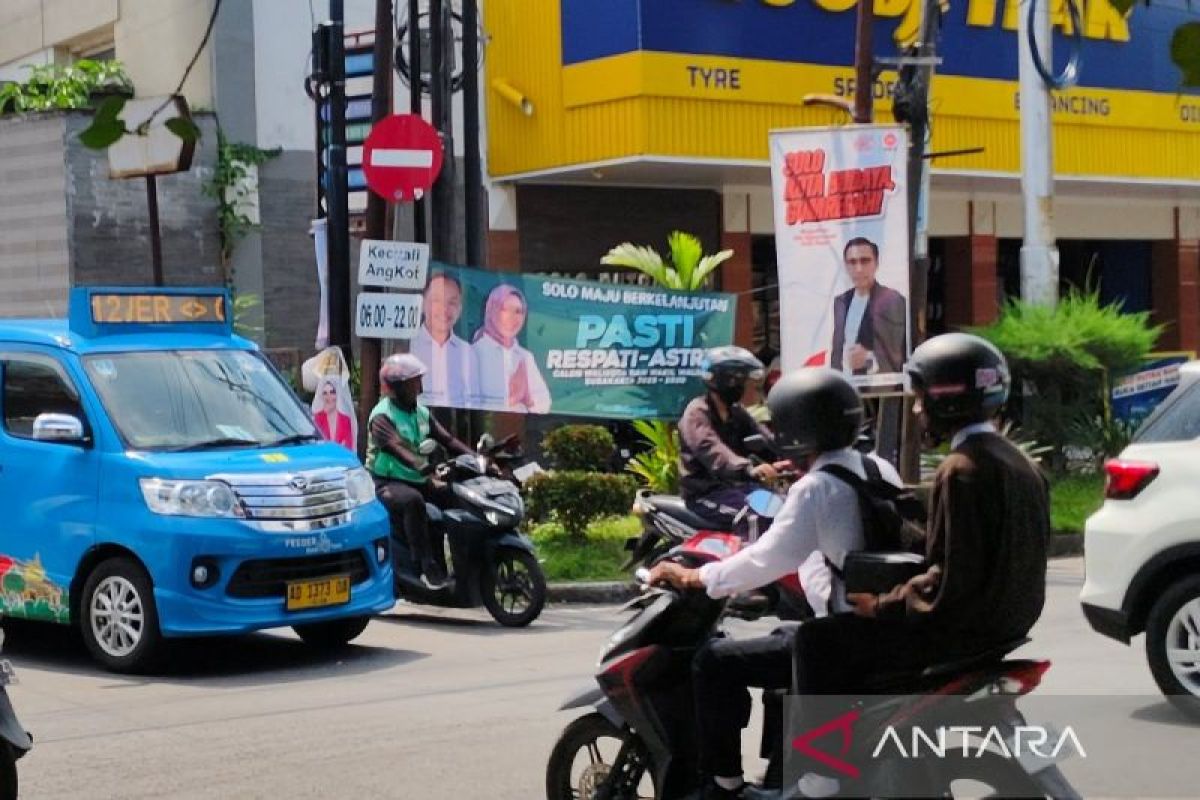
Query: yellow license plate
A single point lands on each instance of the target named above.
(315, 594)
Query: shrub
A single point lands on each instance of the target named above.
(575, 498)
(658, 466)
(1064, 359)
(579, 447)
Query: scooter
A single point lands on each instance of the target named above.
(638, 739)
(15, 741)
(493, 563)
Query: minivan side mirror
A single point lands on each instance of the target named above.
(63, 428)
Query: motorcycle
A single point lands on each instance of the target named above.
(493, 563)
(639, 737)
(15, 741)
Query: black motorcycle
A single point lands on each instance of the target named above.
(492, 563)
(15, 742)
(638, 741)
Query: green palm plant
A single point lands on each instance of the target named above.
(686, 270)
(658, 466)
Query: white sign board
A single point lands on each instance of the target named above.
(387, 316)
(155, 151)
(396, 265)
(841, 233)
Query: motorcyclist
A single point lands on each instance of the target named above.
(989, 526)
(716, 472)
(398, 426)
(817, 414)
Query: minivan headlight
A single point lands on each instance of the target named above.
(360, 489)
(190, 498)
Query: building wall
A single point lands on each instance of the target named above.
(34, 257)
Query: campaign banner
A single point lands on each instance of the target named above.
(841, 236)
(1138, 393)
(534, 344)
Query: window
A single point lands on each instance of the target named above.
(34, 386)
(1177, 419)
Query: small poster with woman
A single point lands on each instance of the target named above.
(328, 376)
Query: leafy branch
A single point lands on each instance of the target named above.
(233, 185)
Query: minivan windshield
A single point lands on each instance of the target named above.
(197, 399)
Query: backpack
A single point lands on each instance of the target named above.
(893, 517)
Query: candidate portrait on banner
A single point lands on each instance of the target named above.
(453, 376)
(870, 320)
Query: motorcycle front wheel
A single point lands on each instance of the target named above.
(513, 587)
(583, 758)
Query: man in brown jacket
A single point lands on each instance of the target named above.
(989, 525)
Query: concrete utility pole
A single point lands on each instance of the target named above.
(1039, 254)
(376, 219)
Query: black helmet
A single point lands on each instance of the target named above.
(962, 378)
(814, 410)
(726, 369)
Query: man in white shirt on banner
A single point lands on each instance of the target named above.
(453, 373)
(870, 321)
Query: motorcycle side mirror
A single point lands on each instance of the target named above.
(764, 503)
(427, 447)
(486, 442)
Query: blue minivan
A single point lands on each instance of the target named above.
(158, 479)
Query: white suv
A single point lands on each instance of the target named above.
(1143, 546)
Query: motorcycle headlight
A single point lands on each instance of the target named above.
(190, 498)
(360, 489)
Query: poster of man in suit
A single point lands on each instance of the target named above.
(841, 235)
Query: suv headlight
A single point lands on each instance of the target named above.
(360, 489)
(190, 498)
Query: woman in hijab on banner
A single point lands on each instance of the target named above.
(509, 379)
(332, 421)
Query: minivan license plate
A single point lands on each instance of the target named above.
(315, 594)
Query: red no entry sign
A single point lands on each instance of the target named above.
(402, 157)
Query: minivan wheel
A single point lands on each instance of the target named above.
(1173, 644)
(118, 618)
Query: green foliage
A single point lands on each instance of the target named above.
(579, 447)
(574, 499)
(59, 87)
(1064, 358)
(233, 187)
(687, 270)
(1104, 436)
(244, 307)
(1185, 52)
(658, 465)
(1073, 499)
(597, 557)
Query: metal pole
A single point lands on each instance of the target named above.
(1039, 254)
(864, 62)
(444, 189)
(339, 213)
(416, 101)
(474, 177)
(918, 221)
(377, 207)
(155, 231)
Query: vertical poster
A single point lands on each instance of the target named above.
(841, 233)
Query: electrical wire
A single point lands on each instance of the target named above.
(1070, 74)
(212, 22)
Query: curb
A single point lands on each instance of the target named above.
(592, 592)
(1062, 545)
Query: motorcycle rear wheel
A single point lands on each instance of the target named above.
(564, 782)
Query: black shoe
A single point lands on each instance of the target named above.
(433, 575)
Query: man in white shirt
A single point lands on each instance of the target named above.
(453, 374)
(817, 414)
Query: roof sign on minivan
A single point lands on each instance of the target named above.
(98, 310)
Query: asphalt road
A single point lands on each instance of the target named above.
(430, 704)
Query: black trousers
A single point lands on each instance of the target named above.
(837, 654)
(405, 503)
(723, 671)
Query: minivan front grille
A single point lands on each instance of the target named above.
(269, 577)
(292, 501)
